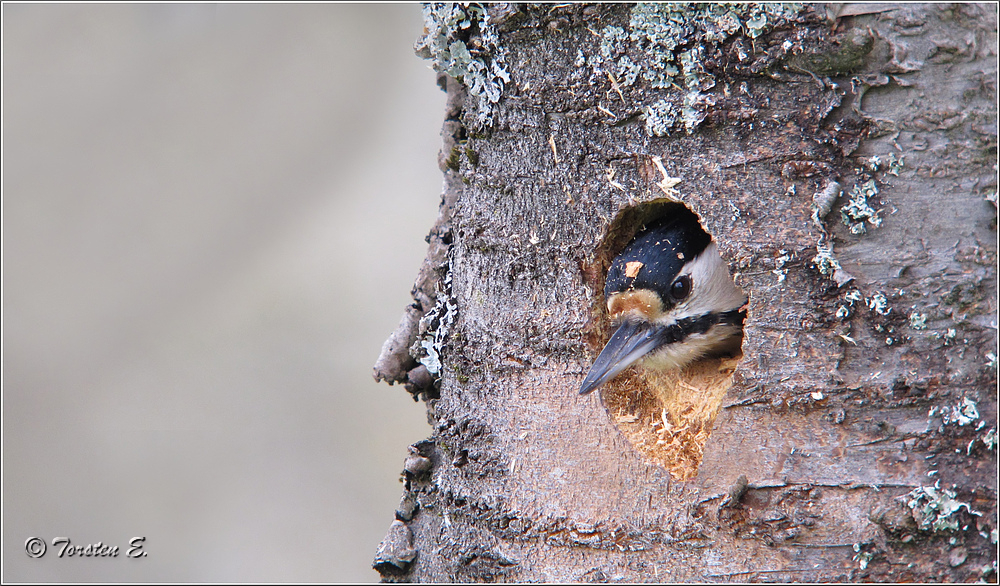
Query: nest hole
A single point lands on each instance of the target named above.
(666, 415)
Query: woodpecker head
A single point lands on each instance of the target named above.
(673, 300)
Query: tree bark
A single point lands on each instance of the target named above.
(845, 164)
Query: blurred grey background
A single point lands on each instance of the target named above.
(212, 217)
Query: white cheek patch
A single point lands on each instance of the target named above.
(712, 288)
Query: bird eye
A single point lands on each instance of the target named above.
(681, 288)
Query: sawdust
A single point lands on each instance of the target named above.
(668, 416)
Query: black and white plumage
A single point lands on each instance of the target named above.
(673, 299)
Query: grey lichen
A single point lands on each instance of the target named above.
(890, 164)
(990, 439)
(462, 43)
(779, 265)
(858, 211)
(434, 328)
(933, 508)
(665, 43)
(879, 303)
(853, 296)
(845, 310)
(862, 557)
(660, 118)
(948, 336)
(695, 109)
(962, 414)
(621, 68)
(824, 259)
(918, 321)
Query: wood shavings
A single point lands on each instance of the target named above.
(614, 84)
(632, 269)
(673, 411)
(667, 183)
(611, 178)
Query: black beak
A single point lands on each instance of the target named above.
(630, 342)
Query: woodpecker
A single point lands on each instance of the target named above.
(673, 301)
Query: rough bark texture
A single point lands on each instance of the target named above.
(855, 442)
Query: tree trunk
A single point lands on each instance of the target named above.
(844, 163)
